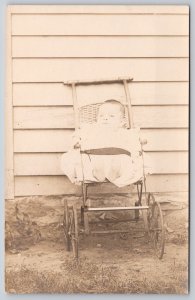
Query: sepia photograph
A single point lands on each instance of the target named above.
(97, 149)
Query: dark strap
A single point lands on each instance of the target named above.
(106, 151)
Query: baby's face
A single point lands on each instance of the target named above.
(110, 115)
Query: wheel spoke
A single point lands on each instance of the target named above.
(156, 226)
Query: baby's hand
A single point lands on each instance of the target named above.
(76, 182)
(76, 145)
(76, 141)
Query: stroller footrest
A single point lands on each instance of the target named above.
(116, 231)
(94, 209)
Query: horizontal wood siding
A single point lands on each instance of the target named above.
(63, 117)
(128, 46)
(40, 140)
(55, 44)
(142, 93)
(65, 69)
(90, 24)
(49, 163)
(56, 185)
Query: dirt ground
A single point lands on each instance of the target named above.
(37, 261)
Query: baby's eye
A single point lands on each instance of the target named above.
(112, 116)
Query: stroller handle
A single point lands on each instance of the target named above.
(100, 81)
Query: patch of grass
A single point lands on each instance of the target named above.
(87, 277)
(179, 238)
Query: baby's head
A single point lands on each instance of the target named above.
(111, 113)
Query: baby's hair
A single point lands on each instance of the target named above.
(117, 103)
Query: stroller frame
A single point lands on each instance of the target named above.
(152, 215)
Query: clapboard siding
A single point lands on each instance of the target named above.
(67, 46)
(49, 163)
(40, 140)
(66, 69)
(52, 44)
(63, 117)
(33, 94)
(43, 117)
(75, 24)
(57, 185)
(142, 93)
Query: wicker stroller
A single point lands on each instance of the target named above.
(145, 204)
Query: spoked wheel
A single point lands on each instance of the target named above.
(156, 226)
(73, 221)
(66, 226)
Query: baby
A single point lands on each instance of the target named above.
(111, 114)
(109, 133)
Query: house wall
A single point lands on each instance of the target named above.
(49, 45)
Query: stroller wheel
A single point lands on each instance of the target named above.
(66, 226)
(73, 221)
(156, 226)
